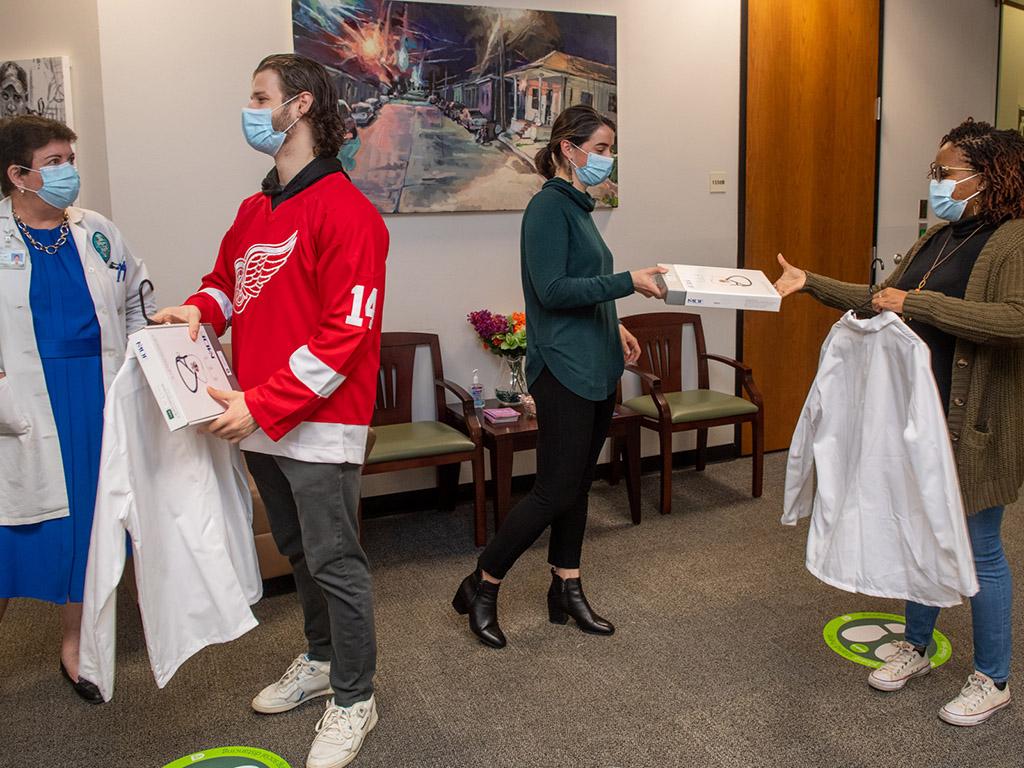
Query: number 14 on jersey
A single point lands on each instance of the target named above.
(358, 310)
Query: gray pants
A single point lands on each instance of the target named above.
(313, 514)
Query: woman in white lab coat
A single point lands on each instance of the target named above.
(961, 289)
(69, 295)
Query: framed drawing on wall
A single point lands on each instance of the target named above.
(446, 106)
(36, 87)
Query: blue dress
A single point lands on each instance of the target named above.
(47, 560)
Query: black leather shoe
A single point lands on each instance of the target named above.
(479, 599)
(566, 598)
(88, 691)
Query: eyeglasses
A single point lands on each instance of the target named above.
(939, 172)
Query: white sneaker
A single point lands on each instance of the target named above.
(305, 679)
(340, 734)
(903, 664)
(979, 699)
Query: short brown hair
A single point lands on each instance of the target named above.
(23, 135)
(576, 124)
(999, 156)
(299, 74)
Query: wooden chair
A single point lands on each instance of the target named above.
(402, 443)
(668, 409)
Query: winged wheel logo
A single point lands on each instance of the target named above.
(254, 270)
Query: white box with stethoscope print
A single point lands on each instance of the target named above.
(179, 370)
(719, 287)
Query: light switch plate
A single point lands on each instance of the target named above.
(717, 182)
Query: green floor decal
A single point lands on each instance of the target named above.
(867, 638)
(231, 757)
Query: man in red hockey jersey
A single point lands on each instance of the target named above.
(300, 279)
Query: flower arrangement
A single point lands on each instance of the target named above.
(503, 335)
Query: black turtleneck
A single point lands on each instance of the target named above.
(949, 278)
(315, 170)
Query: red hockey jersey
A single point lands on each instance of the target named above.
(302, 286)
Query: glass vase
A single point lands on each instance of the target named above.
(511, 383)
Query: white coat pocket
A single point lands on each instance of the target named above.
(12, 422)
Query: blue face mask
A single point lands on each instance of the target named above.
(60, 184)
(940, 196)
(258, 127)
(596, 170)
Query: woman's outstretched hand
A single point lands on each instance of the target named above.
(792, 279)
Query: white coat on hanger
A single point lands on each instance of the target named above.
(871, 462)
(184, 499)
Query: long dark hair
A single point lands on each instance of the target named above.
(576, 124)
(21, 136)
(999, 156)
(300, 74)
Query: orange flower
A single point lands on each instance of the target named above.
(518, 321)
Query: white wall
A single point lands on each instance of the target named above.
(1011, 68)
(43, 28)
(176, 75)
(939, 62)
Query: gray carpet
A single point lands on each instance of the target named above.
(718, 659)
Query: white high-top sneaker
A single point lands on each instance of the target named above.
(340, 734)
(978, 700)
(305, 679)
(903, 664)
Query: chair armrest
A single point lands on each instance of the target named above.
(468, 410)
(743, 373)
(654, 382)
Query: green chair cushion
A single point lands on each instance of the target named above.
(694, 405)
(416, 440)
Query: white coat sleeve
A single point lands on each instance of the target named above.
(800, 475)
(114, 501)
(135, 273)
(948, 559)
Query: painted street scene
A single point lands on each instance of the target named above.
(446, 106)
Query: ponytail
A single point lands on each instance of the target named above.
(545, 162)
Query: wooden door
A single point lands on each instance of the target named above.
(810, 146)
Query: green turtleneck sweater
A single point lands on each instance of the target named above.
(570, 291)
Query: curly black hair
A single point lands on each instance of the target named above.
(999, 156)
(299, 74)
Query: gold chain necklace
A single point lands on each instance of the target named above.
(940, 260)
(65, 229)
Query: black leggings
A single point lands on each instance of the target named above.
(570, 433)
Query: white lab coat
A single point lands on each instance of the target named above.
(32, 487)
(184, 499)
(871, 462)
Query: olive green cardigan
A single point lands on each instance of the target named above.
(986, 402)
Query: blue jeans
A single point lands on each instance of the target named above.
(990, 607)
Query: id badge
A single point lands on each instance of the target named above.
(13, 257)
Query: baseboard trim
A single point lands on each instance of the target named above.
(426, 498)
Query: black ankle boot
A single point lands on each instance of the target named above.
(479, 599)
(566, 598)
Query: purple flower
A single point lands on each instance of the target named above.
(487, 324)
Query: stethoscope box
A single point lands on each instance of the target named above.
(719, 287)
(179, 370)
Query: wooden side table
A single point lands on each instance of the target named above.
(503, 440)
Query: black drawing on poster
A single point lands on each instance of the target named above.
(36, 87)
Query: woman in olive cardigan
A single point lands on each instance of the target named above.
(574, 360)
(961, 288)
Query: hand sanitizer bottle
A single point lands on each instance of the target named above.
(477, 391)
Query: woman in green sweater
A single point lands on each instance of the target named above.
(574, 360)
(961, 289)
